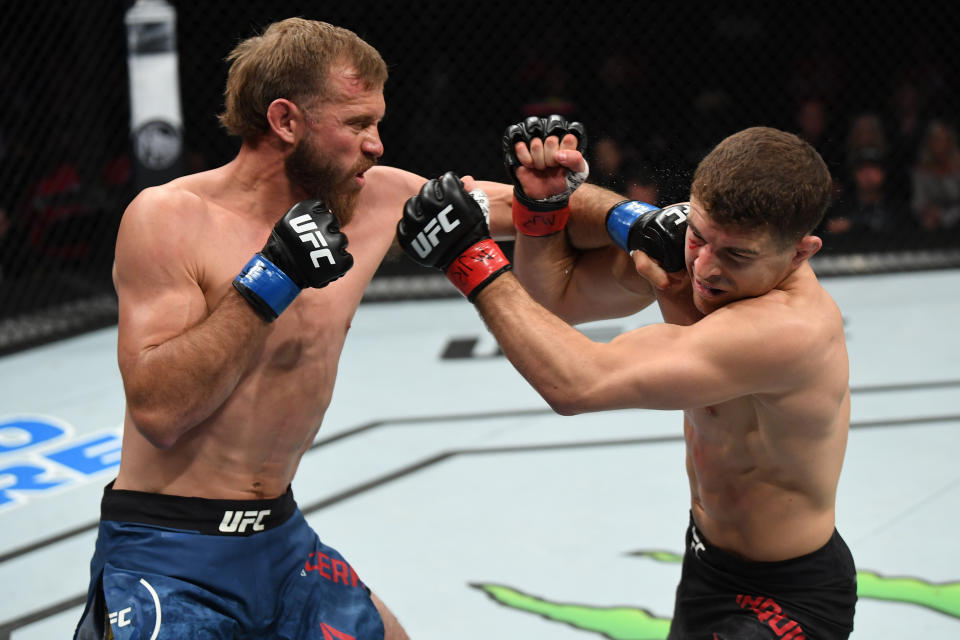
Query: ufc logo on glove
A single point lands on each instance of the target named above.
(426, 240)
(677, 213)
(304, 225)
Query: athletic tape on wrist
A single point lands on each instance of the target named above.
(539, 223)
(577, 178)
(268, 282)
(476, 267)
(558, 200)
(481, 198)
(622, 216)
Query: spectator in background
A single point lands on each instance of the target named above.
(813, 125)
(936, 179)
(623, 68)
(867, 213)
(640, 183)
(619, 167)
(907, 122)
(607, 163)
(866, 131)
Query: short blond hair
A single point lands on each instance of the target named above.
(291, 59)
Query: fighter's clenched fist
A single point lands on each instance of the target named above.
(445, 228)
(659, 233)
(305, 249)
(532, 146)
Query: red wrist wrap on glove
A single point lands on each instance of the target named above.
(539, 223)
(476, 267)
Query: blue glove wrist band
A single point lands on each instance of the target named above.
(272, 285)
(621, 217)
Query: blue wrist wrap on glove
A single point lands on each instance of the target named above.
(268, 282)
(622, 216)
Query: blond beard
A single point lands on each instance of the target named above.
(343, 205)
(306, 169)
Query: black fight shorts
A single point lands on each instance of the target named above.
(723, 597)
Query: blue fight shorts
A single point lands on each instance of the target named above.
(175, 567)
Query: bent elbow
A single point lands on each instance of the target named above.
(565, 403)
(158, 428)
(565, 409)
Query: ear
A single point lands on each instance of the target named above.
(806, 247)
(286, 120)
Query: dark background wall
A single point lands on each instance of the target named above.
(656, 83)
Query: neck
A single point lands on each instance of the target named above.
(258, 173)
(795, 275)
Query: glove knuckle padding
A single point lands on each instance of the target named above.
(577, 129)
(542, 128)
(445, 227)
(513, 134)
(533, 127)
(556, 126)
(305, 249)
(660, 234)
(441, 222)
(314, 250)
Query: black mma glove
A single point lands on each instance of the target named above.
(549, 215)
(305, 249)
(445, 228)
(659, 233)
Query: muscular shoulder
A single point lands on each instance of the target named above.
(783, 338)
(388, 188)
(173, 208)
(379, 208)
(162, 226)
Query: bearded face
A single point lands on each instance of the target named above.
(309, 169)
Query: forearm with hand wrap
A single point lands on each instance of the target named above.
(548, 215)
(445, 227)
(659, 233)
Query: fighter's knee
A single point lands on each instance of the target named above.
(392, 629)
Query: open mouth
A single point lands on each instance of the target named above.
(360, 176)
(706, 290)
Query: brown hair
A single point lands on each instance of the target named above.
(763, 178)
(291, 59)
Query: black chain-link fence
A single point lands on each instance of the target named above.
(657, 84)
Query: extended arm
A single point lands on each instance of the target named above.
(730, 354)
(661, 366)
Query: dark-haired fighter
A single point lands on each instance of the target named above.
(752, 351)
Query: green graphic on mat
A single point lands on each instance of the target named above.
(631, 623)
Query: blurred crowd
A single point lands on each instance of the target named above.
(896, 172)
(891, 144)
(886, 126)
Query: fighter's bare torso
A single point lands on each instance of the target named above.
(251, 445)
(764, 468)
